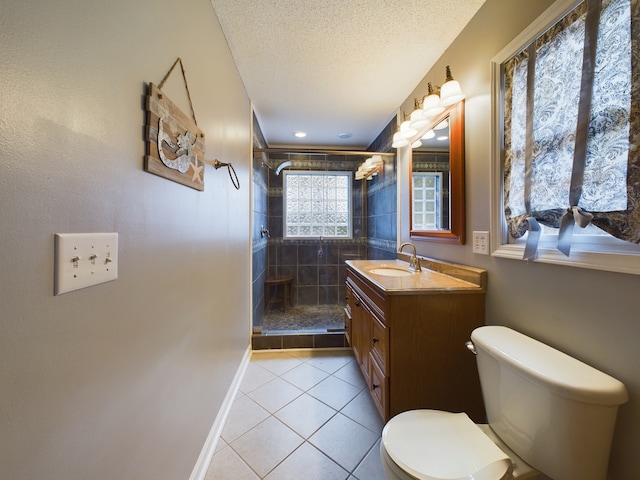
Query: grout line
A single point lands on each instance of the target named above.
(312, 355)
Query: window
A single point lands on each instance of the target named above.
(317, 204)
(427, 201)
(564, 127)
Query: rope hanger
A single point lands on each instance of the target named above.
(186, 85)
(216, 163)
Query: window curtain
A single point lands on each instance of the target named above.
(572, 125)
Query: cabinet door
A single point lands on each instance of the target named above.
(347, 315)
(366, 319)
(354, 330)
(347, 324)
(379, 387)
(380, 343)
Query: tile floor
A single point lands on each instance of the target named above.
(300, 414)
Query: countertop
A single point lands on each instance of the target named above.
(426, 281)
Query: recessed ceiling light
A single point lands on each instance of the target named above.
(300, 134)
(345, 135)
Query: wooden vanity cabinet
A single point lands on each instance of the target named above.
(411, 347)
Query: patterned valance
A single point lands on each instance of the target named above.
(572, 124)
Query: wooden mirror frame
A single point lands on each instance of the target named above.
(456, 232)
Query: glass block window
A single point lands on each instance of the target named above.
(427, 201)
(317, 204)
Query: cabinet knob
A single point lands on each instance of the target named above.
(358, 304)
(374, 386)
(375, 340)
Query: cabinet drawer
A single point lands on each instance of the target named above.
(380, 343)
(379, 387)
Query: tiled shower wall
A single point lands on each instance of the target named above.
(259, 241)
(382, 205)
(317, 265)
(320, 278)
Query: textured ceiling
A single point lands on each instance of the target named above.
(332, 66)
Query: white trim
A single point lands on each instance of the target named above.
(206, 454)
(609, 261)
(612, 262)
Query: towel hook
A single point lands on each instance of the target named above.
(234, 178)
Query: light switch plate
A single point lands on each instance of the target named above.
(84, 259)
(481, 243)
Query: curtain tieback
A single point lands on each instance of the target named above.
(574, 215)
(533, 236)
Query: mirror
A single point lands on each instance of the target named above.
(436, 192)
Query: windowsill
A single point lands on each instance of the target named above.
(612, 262)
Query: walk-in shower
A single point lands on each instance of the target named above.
(302, 200)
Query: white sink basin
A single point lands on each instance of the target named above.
(391, 272)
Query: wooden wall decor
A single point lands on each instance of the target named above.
(175, 144)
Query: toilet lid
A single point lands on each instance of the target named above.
(436, 445)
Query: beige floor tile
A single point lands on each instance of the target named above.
(254, 377)
(227, 465)
(266, 445)
(275, 394)
(276, 363)
(363, 410)
(334, 392)
(305, 415)
(351, 373)
(243, 416)
(330, 362)
(371, 467)
(344, 441)
(264, 434)
(308, 463)
(220, 445)
(305, 376)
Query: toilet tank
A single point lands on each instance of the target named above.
(555, 412)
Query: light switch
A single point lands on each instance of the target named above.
(481, 243)
(84, 259)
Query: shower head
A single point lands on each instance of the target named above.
(282, 166)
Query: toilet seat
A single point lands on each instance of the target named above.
(437, 445)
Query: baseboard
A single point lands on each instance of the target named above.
(202, 464)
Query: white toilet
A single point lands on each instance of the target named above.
(548, 413)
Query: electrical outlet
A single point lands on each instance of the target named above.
(84, 259)
(481, 243)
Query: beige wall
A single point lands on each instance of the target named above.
(589, 314)
(122, 380)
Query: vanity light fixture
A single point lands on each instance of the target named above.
(418, 118)
(399, 140)
(450, 92)
(426, 108)
(443, 124)
(407, 130)
(369, 168)
(431, 105)
(428, 135)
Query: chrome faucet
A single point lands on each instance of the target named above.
(414, 263)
